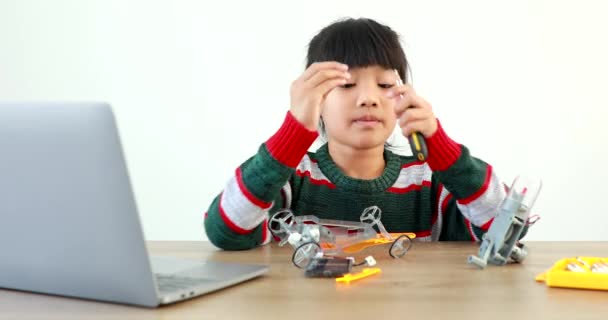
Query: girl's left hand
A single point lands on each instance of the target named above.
(414, 114)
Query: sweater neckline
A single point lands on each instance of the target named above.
(342, 181)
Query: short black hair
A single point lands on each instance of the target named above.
(359, 43)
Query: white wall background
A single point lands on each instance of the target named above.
(197, 86)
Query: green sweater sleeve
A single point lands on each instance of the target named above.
(469, 192)
(455, 226)
(237, 218)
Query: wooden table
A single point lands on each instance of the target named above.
(432, 281)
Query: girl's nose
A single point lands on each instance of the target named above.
(368, 103)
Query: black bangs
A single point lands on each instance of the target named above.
(359, 43)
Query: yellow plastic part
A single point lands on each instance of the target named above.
(560, 276)
(373, 242)
(347, 278)
(415, 137)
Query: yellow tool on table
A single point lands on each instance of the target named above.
(577, 272)
(347, 278)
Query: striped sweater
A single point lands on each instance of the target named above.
(451, 196)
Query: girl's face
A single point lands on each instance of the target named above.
(359, 114)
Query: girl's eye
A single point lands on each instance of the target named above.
(381, 85)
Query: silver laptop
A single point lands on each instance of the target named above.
(68, 220)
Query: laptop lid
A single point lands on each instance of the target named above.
(69, 220)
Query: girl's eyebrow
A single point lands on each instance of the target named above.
(387, 78)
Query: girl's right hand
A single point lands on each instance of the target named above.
(309, 91)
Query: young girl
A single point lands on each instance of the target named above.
(348, 92)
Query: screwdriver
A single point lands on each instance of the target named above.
(416, 140)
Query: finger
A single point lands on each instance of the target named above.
(324, 88)
(398, 90)
(324, 75)
(315, 67)
(413, 126)
(412, 115)
(412, 101)
(403, 104)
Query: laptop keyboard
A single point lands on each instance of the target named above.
(172, 283)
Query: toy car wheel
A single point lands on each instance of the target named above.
(400, 246)
(304, 254)
(371, 215)
(280, 220)
(519, 253)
